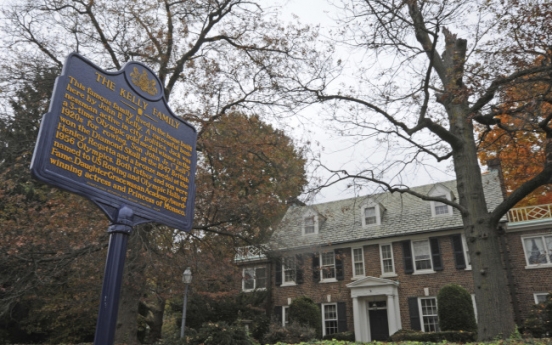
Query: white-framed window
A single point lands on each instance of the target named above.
(428, 314)
(474, 306)
(421, 253)
(285, 316)
(370, 216)
(538, 250)
(310, 223)
(370, 213)
(327, 266)
(438, 208)
(387, 262)
(466, 252)
(540, 297)
(254, 278)
(288, 270)
(358, 262)
(329, 318)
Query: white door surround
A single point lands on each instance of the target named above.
(370, 289)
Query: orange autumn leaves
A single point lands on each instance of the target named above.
(519, 141)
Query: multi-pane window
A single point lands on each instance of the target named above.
(358, 262)
(330, 319)
(310, 226)
(540, 297)
(428, 308)
(288, 270)
(254, 278)
(538, 250)
(328, 265)
(466, 252)
(387, 259)
(370, 216)
(441, 208)
(422, 255)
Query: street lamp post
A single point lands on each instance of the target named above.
(187, 279)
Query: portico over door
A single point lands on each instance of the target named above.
(368, 325)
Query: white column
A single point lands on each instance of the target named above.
(391, 317)
(356, 319)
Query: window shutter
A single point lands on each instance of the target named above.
(278, 272)
(315, 267)
(436, 254)
(341, 317)
(299, 269)
(339, 271)
(414, 314)
(278, 314)
(407, 253)
(458, 251)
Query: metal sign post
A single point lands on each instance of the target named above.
(114, 267)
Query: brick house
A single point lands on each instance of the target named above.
(375, 264)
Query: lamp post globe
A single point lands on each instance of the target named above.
(187, 280)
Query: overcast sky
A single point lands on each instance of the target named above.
(336, 152)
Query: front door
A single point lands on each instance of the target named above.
(379, 327)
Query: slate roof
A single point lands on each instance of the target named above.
(340, 221)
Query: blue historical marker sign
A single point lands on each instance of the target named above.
(111, 137)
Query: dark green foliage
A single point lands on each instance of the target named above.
(292, 334)
(304, 311)
(229, 309)
(19, 130)
(343, 336)
(221, 333)
(434, 337)
(455, 309)
(539, 321)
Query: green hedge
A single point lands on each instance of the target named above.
(434, 337)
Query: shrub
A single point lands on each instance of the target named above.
(434, 337)
(343, 336)
(455, 309)
(293, 333)
(220, 333)
(539, 321)
(304, 311)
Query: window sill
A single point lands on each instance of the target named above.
(251, 290)
(329, 280)
(358, 277)
(288, 284)
(389, 275)
(442, 215)
(423, 272)
(532, 267)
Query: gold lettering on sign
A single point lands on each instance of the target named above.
(119, 146)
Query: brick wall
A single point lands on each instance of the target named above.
(527, 281)
(410, 285)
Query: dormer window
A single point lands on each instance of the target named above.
(371, 213)
(310, 223)
(370, 216)
(438, 208)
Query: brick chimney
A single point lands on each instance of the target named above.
(495, 165)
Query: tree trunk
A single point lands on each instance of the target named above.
(131, 291)
(155, 319)
(494, 306)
